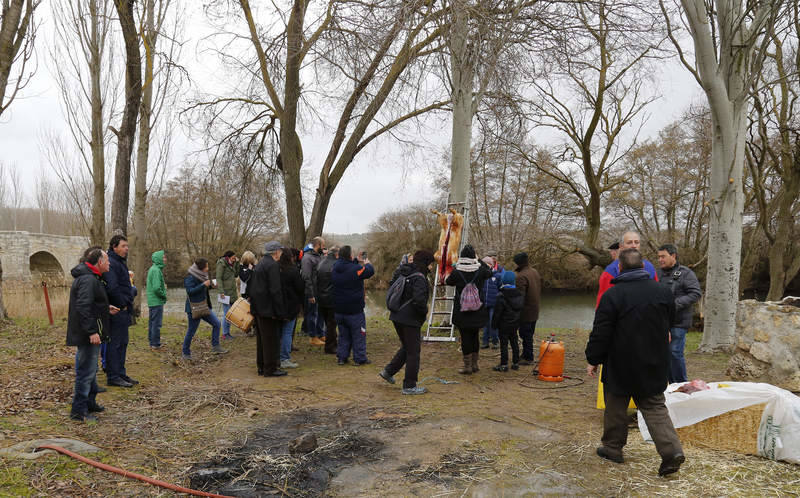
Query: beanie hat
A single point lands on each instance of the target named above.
(468, 252)
(509, 278)
(521, 259)
(423, 258)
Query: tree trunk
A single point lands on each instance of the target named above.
(725, 225)
(127, 131)
(13, 32)
(97, 230)
(778, 271)
(463, 76)
(150, 35)
(291, 148)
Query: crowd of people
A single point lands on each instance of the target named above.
(638, 334)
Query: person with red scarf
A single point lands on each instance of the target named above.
(88, 326)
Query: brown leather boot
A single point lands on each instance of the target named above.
(475, 357)
(467, 368)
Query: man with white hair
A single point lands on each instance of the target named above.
(629, 240)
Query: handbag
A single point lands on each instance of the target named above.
(199, 309)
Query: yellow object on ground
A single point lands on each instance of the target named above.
(601, 399)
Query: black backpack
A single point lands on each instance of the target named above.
(394, 296)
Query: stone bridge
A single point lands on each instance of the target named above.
(26, 256)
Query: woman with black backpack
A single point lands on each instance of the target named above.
(469, 312)
(408, 312)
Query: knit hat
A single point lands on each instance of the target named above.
(489, 261)
(521, 259)
(509, 278)
(615, 245)
(468, 252)
(423, 258)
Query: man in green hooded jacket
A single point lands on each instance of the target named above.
(156, 297)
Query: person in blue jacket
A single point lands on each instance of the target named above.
(120, 292)
(348, 303)
(197, 284)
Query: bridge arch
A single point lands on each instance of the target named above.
(45, 266)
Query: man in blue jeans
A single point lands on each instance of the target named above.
(686, 291)
(120, 294)
(348, 301)
(87, 327)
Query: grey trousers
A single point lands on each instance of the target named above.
(656, 416)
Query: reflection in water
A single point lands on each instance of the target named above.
(561, 310)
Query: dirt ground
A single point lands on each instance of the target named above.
(216, 425)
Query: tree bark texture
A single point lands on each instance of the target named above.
(127, 131)
(98, 225)
(462, 70)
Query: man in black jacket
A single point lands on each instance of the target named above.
(630, 338)
(120, 293)
(686, 290)
(87, 327)
(408, 319)
(269, 309)
(324, 292)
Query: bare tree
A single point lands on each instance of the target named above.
(126, 135)
(366, 48)
(83, 65)
(773, 151)
(45, 200)
(17, 194)
(17, 33)
(729, 50)
(590, 85)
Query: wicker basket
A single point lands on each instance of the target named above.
(733, 431)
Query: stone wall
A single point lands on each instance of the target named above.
(16, 249)
(767, 344)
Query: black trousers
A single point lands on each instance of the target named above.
(508, 335)
(470, 340)
(268, 344)
(408, 354)
(329, 316)
(526, 334)
(656, 416)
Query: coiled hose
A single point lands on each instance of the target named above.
(125, 473)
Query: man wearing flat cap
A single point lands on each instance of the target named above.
(268, 309)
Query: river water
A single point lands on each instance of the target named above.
(568, 310)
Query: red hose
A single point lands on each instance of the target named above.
(125, 473)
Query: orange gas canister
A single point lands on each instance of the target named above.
(551, 360)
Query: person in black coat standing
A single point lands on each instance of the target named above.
(506, 320)
(469, 271)
(408, 319)
(87, 327)
(325, 306)
(630, 338)
(269, 309)
(120, 293)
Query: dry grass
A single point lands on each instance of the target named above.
(26, 300)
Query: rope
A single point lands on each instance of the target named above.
(125, 473)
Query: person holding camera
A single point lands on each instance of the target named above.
(686, 291)
(198, 307)
(348, 301)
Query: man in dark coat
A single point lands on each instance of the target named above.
(630, 338)
(87, 327)
(348, 300)
(325, 307)
(686, 290)
(120, 293)
(408, 319)
(308, 270)
(269, 309)
(529, 284)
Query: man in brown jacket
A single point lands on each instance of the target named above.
(529, 284)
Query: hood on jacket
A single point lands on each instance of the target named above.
(632, 275)
(80, 270)
(158, 259)
(513, 297)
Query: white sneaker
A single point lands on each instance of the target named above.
(289, 364)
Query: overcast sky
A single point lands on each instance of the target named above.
(383, 177)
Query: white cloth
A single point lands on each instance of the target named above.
(779, 432)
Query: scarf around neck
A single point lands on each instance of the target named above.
(198, 273)
(468, 264)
